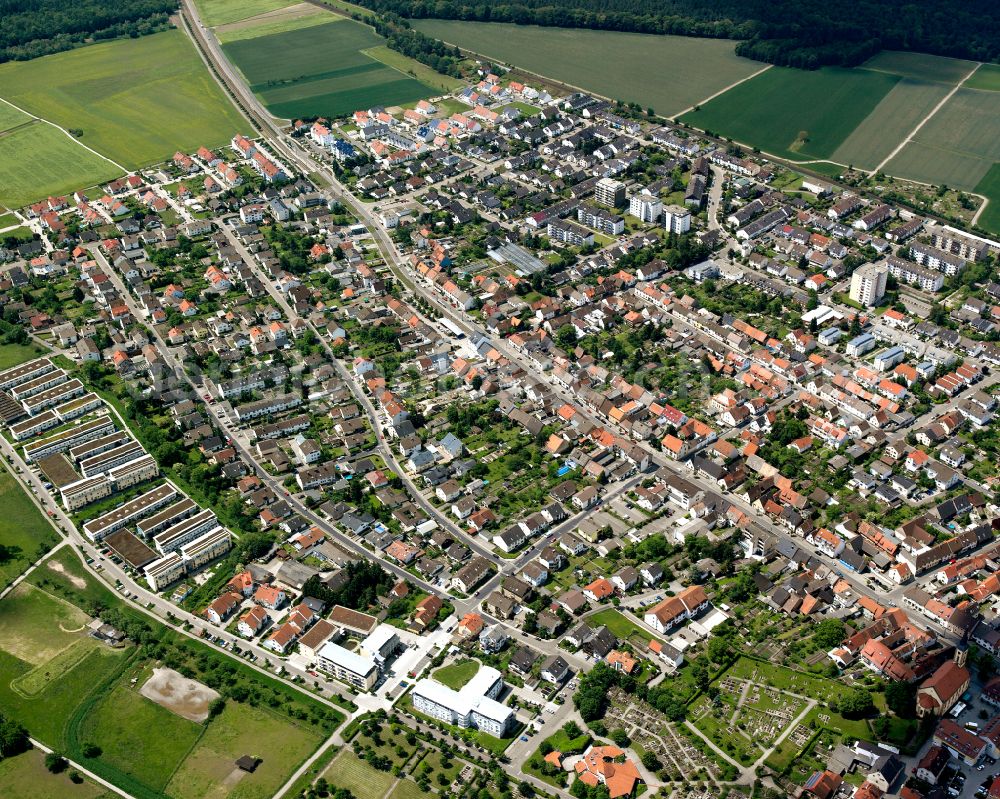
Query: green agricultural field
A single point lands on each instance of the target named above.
(241, 729)
(321, 70)
(890, 122)
(137, 101)
(348, 771)
(37, 160)
(24, 532)
(920, 66)
(25, 777)
(987, 78)
(221, 12)
(423, 73)
(958, 145)
(290, 19)
(989, 187)
(10, 117)
(677, 71)
(793, 113)
(138, 737)
(457, 674)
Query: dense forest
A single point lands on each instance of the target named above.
(32, 28)
(799, 33)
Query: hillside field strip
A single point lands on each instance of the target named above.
(295, 17)
(322, 71)
(667, 73)
(137, 101)
(223, 12)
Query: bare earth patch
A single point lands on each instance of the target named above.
(178, 694)
(56, 566)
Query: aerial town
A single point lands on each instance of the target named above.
(509, 444)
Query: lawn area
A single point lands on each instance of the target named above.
(64, 575)
(137, 101)
(138, 737)
(407, 789)
(619, 624)
(6, 221)
(987, 78)
(38, 160)
(241, 729)
(219, 12)
(25, 777)
(678, 71)
(289, 19)
(338, 80)
(990, 187)
(958, 145)
(457, 674)
(24, 532)
(795, 113)
(348, 771)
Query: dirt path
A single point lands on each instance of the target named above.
(70, 135)
(925, 120)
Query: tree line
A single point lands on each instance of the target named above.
(797, 33)
(33, 28)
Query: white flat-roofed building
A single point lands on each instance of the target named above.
(34, 426)
(24, 372)
(382, 644)
(868, 284)
(82, 492)
(134, 472)
(67, 439)
(676, 219)
(106, 461)
(206, 548)
(473, 706)
(348, 666)
(118, 518)
(188, 530)
(645, 207)
(161, 573)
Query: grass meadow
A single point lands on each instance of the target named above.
(25, 777)
(668, 73)
(24, 532)
(222, 12)
(137, 102)
(38, 160)
(321, 70)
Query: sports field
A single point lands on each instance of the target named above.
(24, 532)
(667, 73)
(794, 113)
(320, 70)
(37, 160)
(137, 101)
